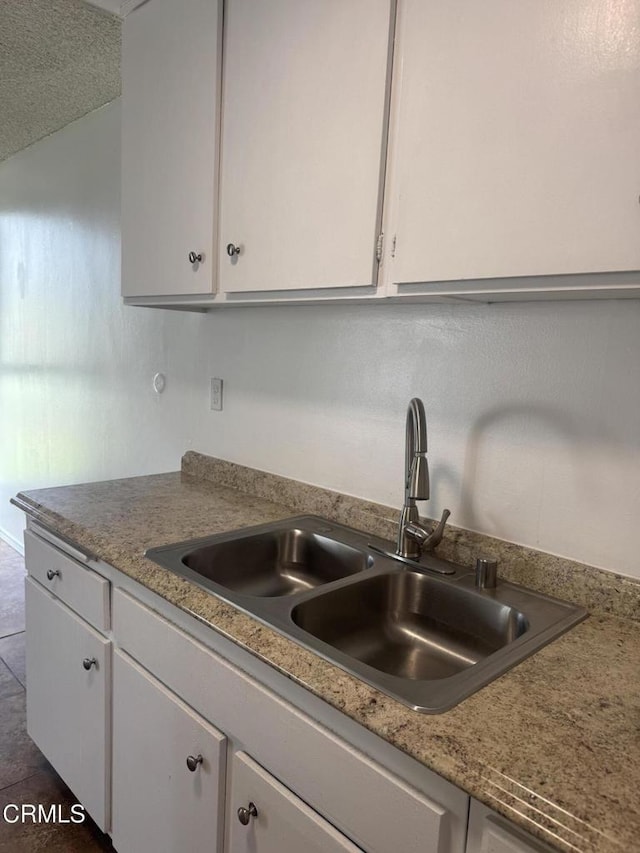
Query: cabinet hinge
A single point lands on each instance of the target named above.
(379, 245)
(393, 247)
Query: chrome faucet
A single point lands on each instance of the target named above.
(414, 537)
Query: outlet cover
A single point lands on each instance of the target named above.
(216, 395)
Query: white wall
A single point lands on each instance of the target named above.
(76, 401)
(533, 409)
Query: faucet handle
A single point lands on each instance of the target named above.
(425, 538)
(438, 531)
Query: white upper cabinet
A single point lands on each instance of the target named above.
(479, 150)
(304, 129)
(171, 62)
(515, 145)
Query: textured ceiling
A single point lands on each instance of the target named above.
(59, 59)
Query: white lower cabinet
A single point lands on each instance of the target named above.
(490, 833)
(326, 788)
(265, 817)
(169, 783)
(68, 697)
(168, 769)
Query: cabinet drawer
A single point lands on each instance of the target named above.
(84, 590)
(289, 743)
(280, 821)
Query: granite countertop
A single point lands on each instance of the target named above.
(554, 744)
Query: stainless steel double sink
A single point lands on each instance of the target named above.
(423, 634)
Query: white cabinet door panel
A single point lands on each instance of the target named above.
(282, 823)
(303, 142)
(171, 60)
(490, 833)
(159, 804)
(67, 705)
(516, 138)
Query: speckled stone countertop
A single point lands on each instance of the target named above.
(554, 744)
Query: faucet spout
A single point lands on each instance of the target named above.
(416, 465)
(412, 536)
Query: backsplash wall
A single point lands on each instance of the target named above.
(533, 409)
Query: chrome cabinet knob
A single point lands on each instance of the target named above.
(195, 258)
(193, 761)
(245, 815)
(87, 663)
(232, 250)
(53, 573)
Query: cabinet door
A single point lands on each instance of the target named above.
(279, 822)
(171, 60)
(515, 139)
(160, 804)
(303, 142)
(489, 833)
(68, 705)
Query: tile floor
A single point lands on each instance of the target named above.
(25, 774)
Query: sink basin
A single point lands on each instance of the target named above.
(420, 632)
(269, 561)
(410, 625)
(276, 562)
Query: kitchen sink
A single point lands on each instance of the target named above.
(421, 632)
(410, 625)
(276, 562)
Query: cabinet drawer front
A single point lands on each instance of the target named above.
(81, 588)
(68, 705)
(282, 822)
(288, 742)
(159, 804)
